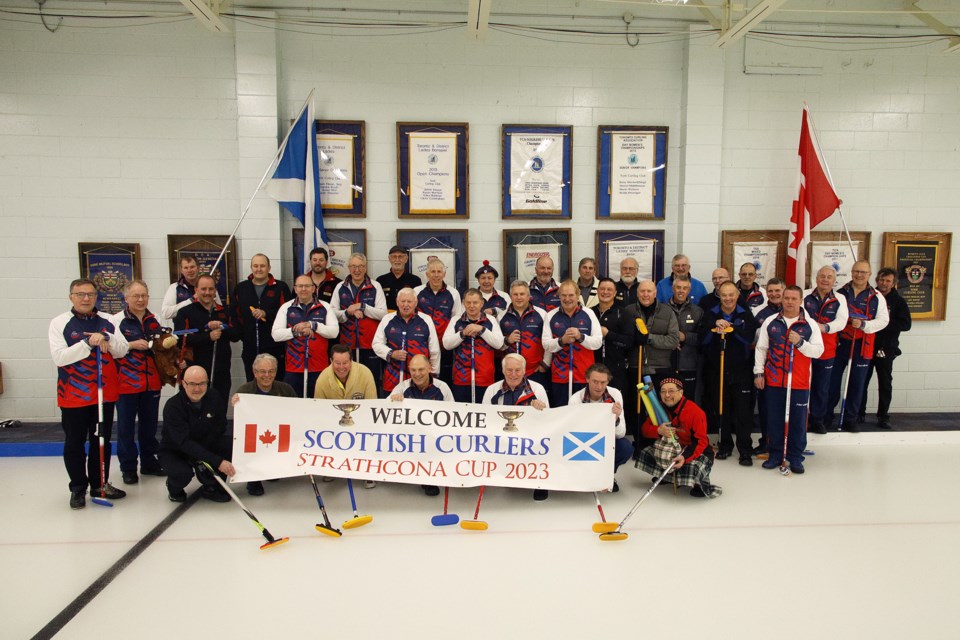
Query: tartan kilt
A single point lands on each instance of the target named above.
(692, 473)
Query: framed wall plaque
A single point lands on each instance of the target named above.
(631, 172)
(341, 145)
(611, 247)
(523, 247)
(206, 249)
(433, 170)
(111, 265)
(766, 249)
(922, 263)
(537, 166)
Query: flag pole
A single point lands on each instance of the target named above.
(816, 141)
(270, 169)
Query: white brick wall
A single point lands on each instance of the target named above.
(134, 134)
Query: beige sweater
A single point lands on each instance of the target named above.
(359, 385)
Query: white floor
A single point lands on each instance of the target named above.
(861, 546)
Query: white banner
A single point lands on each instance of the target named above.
(336, 170)
(536, 173)
(642, 251)
(632, 169)
(425, 442)
(762, 255)
(340, 253)
(527, 256)
(433, 172)
(833, 254)
(420, 257)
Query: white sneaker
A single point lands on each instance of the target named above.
(327, 478)
(369, 484)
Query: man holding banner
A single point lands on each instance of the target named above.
(598, 390)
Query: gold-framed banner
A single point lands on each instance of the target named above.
(111, 265)
(830, 248)
(922, 263)
(766, 249)
(432, 170)
(341, 146)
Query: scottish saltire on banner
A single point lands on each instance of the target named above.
(455, 444)
(816, 201)
(296, 181)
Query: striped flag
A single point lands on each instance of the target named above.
(296, 181)
(816, 201)
(270, 440)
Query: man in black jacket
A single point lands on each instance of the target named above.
(617, 323)
(686, 358)
(255, 303)
(887, 346)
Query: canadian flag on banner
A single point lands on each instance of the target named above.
(816, 201)
(278, 441)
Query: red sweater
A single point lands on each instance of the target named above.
(691, 424)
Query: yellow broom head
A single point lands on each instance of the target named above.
(333, 533)
(614, 536)
(359, 521)
(473, 525)
(275, 543)
(604, 527)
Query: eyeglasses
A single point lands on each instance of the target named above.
(303, 286)
(139, 296)
(83, 295)
(860, 273)
(195, 385)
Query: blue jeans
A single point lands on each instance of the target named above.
(146, 405)
(623, 453)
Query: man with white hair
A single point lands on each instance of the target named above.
(441, 303)
(403, 334)
(829, 310)
(627, 286)
(360, 305)
(599, 376)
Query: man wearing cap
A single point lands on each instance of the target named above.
(494, 300)
(398, 277)
(688, 423)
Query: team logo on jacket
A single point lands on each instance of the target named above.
(583, 446)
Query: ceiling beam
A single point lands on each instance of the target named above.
(209, 16)
(936, 25)
(706, 13)
(478, 19)
(758, 14)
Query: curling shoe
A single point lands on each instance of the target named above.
(213, 493)
(255, 488)
(130, 477)
(616, 487)
(797, 467)
(78, 499)
(430, 490)
(770, 464)
(176, 495)
(697, 492)
(369, 484)
(540, 494)
(746, 461)
(110, 492)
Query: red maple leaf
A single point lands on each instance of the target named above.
(267, 437)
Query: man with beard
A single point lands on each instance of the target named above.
(323, 279)
(627, 287)
(398, 277)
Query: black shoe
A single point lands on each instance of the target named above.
(770, 464)
(255, 488)
(697, 492)
(746, 461)
(152, 470)
(214, 494)
(851, 427)
(723, 455)
(616, 487)
(760, 448)
(883, 423)
(540, 494)
(109, 492)
(176, 495)
(797, 467)
(860, 418)
(430, 490)
(78, 499)
(817, 427)
(130, 477)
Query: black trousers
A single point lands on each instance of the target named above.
(80, 427)
(737, 418)
(179, 467)
(884, 370)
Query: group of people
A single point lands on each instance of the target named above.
(540, 344)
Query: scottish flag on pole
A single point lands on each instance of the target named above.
(296, 181)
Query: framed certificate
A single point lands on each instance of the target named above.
(922, 263)
(537, 168)
(766, 249)
(433, 170)
(341, 148)
(830, 248)
(450, 246)
(631, 172)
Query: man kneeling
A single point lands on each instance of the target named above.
(689, 424)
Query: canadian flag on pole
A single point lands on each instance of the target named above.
(278, 441)
(816, 201)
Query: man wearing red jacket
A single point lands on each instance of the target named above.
(571, 333)
(306, 325)
(76, 339)
(689, 424)
(829, 310)
(474, 338)
(360, 305)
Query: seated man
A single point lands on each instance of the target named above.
(689, 424)
(194, 431)
(598, 377)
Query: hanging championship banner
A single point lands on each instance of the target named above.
(425, 442)
(833, 254)
(340, 253)
(433, 172)
(420, 258)
(527, 256)
(536, 173)
(762, 255)
(336, 170)
(642, 251)
(632, 166)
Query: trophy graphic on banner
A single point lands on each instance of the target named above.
(511, 417)
(347, 409)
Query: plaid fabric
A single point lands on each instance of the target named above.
(695, 472)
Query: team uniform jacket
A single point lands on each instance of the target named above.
(610, 396)
(325, 327)
(766, 310)
(375, 307)
(137, 369)
(870, 304)
(751, 298)
(417, 336)
(831, 311)
(523, 396)
(178, 295)
(77, 362)
(324, 290)
(772, 357)
(199, 345)
(275, 294)
(436, 390)
(441, 306)
(619, 322)
(738, 357)
(576, 356)
(690, 423)
(476, 353)
(497, 300)
(530, 325)
(546, 297)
